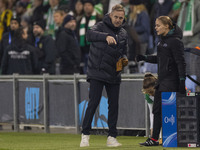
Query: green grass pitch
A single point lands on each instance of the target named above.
(42, 141)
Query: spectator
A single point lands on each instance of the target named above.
(46, 48)
(64, 9)
(19, 57)
(5, 17)
(139, 20)
(78, 12)
(126, 5)
(51, 26)
(161, 8)
(58, 17)
(191, 27)
(38, 11)
(25, 23)
(68, 47)
(11, 4)
(20, 9)
(89, 18)
(8, 36)
(106, 60)
(174, 13)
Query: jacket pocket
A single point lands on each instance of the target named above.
(169, 65)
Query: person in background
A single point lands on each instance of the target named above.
(139, 20)
(107, 57)
(46, 49)
(20, 8)
(38, 11)
(58, 17)
(126, 5)
(50, 24)
(191, 27)
(8, 36)
(68, 47)
(171, 66)
(12, 4)
(175, 11)
(19, 57)
(89, 18)
(64, 9)
(78, 11)
(5, 17)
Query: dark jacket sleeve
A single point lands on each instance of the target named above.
(152, 59)
(34, 59)
(50, 52)
(1, 52)
(126, 48)
(4, 64)
(178, 54)
(95, 34)
(61, 43)
(2, 45)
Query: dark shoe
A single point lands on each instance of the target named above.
(150, 142)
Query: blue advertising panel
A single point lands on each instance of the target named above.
(31, 103)
(169, 119)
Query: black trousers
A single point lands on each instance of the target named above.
(95, 93)
(157, 120)
(170, 86)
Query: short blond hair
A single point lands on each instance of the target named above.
(118, 7)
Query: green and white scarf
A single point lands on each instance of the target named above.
(99, 8)
(82, 30)
(186, 23)
(51, 25)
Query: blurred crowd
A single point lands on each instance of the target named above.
(49, 36)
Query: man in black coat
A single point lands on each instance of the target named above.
(107, 57)
(46, 48)
(68, 46)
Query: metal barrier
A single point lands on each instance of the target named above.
(60, 108)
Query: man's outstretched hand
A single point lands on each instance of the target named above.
(111, 40)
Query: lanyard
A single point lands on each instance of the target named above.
(9, 39)
(36, 41)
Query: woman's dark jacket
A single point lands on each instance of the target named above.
(103, 57)
(170, 59)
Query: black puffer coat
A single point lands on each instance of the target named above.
(170, 59)
(103, 57)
